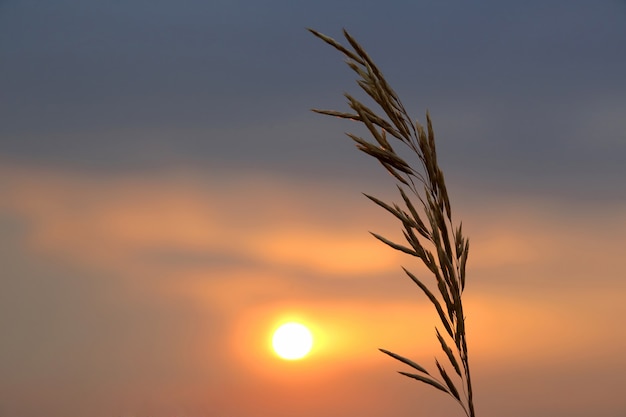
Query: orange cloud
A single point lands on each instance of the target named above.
(114, 222)
(252, 251)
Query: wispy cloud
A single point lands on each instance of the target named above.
(182, 264)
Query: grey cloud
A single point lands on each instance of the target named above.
(117, 86)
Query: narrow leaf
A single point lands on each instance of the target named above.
(386, 206)
(427, 380)
(421, 226)
(342, 115)
(448, 352)
(448, 381)
(337, 46)
(433, 300)
(395, 245)
(366, 60)
(405, 360)
(412, 239)
(463, 263)
(394, 173)
(458, 241)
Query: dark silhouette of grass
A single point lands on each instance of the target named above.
(429, 232)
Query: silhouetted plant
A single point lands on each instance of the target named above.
(429, 232)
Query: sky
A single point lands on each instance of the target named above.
(167, 199)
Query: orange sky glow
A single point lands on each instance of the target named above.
(171, 287)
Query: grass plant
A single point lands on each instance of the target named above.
(425, 215)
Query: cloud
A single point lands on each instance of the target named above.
(113, 222)
(174, 281)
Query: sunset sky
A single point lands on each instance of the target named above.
(167, 199)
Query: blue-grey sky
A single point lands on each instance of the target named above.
(166, 196)
(530, 92)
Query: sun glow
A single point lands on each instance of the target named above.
(292, 341)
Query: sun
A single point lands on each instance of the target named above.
(292, 341)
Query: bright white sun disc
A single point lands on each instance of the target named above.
(292, 341)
